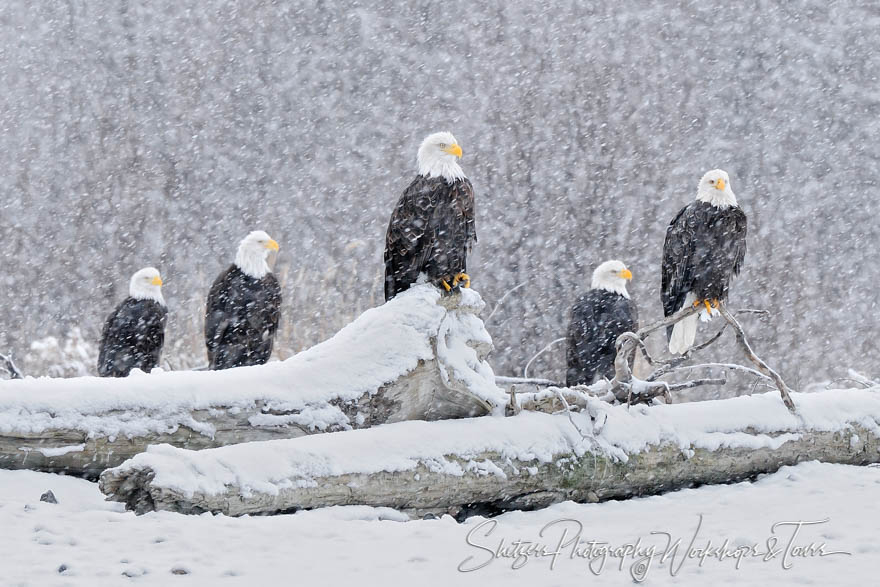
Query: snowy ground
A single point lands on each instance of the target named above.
(85, 541)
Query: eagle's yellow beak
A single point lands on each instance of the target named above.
(454, 150)
(626, 274)
(272, 245)
(719, 185)
(156, 281)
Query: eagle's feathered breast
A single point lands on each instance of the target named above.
(132, 337)
(705, 246)
(241, 319)
(598, 317)
(431, 231)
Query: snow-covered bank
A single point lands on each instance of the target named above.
(418, 356)
(529, 460)
(85, 541)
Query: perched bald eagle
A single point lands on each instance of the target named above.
(705, 246)
(432, 228)
(598, 317)
(243, 308)
(135, 332)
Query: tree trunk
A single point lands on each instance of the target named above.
(490, 464)
(420, 356)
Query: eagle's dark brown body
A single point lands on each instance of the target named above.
(705, 246)
(431, 231)
(241, 319)
(598, 317)
(133, 336)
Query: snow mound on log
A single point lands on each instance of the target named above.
(475, 445)
(381, 346)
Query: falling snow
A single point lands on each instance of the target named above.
(160, 134)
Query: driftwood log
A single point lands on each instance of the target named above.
(491, 464)
(624, 388)
(420, 356)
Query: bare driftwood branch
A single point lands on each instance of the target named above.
(667, 321)
(854, 377)
(7, 365)
(862, 384)
(538, 354)
(670, 364)
(501, 301)
(503, 380)
(621, 385)
(550, 401)
(862, 378)
(697, 383)
(784, 391)
(729, 366)
(625, 388)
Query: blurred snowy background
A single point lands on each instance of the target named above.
(160, 133)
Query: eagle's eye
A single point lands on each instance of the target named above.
(442, 145)
(711, 181)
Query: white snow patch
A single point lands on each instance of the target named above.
(382, 344)
(99, 544)
(61, 450)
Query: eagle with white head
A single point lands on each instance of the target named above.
(598, 317)
(133, 335)
(705, 246)
(244, 307)
(432, 227)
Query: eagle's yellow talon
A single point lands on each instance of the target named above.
(446, 285)
(708, 306)
(462, 277)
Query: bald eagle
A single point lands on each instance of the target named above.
(705, 246)
(598, 317)
(135, 332)
(432, 227)
(243, 307)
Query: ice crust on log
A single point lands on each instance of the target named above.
(421, 355)
(527, 461)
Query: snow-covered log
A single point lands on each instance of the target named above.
(420, 356)
(492, 463)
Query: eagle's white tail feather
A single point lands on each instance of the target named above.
(685, 331)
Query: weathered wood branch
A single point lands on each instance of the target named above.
(546, 348)
(626, 345)
(784, 391)
(504, 380)
(669, 365)
(504, 297)
(727, 366)
(550, 400)
(8, 365)
(854, 377)
(491, 464)
(626, 389)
